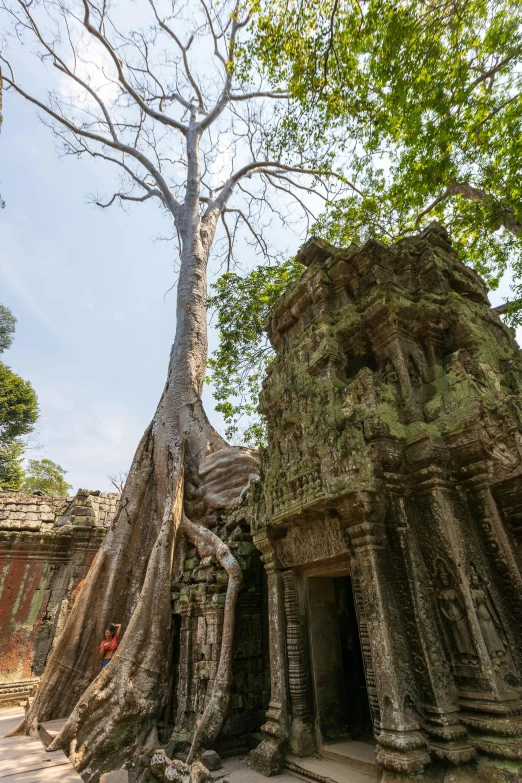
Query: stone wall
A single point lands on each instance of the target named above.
(46, 548)
(394, 460)
(198, 604)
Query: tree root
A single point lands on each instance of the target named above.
(209, 725)
(116, 716)
(113, 712)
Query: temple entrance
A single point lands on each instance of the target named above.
(342, 710)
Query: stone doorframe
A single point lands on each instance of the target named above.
(302, 720)
(401, 745)
(305, 739)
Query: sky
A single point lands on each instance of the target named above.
(92, 292)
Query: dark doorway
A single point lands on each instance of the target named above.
(341, 699)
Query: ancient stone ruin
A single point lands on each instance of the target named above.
(46, 548)
(390, 512)
(381, 545)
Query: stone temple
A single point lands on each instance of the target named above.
(382, 544)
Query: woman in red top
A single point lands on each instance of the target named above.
(110, 644)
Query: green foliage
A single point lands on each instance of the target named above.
(238, 366)
(11, 470)
(18, 405)
(46, 476)
(425, 101)
(7, 328)
(422, 102)
(18, 410)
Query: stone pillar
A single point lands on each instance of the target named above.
(490, 705)
(268, 757)
(499, 548)
(301, 730)
(401, 746)
(182, 729)
(447, 738)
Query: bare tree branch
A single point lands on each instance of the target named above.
(505, 216)
(163, 118)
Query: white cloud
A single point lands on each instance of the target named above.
(89, 441)
(12, 280)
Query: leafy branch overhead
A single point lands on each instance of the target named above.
(427, 100)
(424, 101)
(242, 304)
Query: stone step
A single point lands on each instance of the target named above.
(328, 770)
(359, 755)
(50, 729)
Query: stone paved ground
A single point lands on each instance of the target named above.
(235, 770)
(24, 759)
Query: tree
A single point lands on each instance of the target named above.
(432, 94)
(238, 365)
(7, 328)
(18, 410)
(429, 94)
(179, 114)
(47, 477)
(118, 481)
(11, 468)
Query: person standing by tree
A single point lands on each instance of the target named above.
(109, 644)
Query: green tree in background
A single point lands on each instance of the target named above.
(18, 415)
(11, 468)
(18, 410)
(424, 100)
(45, 476)
(7, 328)
(238, 366)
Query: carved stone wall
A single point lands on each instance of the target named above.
(198, 603)
(46, 548)
(395, 446)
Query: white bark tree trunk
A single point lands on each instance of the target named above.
(112, 713)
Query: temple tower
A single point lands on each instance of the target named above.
(390, 520)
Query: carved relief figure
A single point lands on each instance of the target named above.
(413, 372)
(487, 616)
(388, 372)
(452, 608)
(499, 450)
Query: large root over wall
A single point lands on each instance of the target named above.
(215, 712)
(113, 712)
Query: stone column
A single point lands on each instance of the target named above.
(401, 746)
(499, 548)
(182, 729)
(301, 730)
(447, 738)
(268, 757)
(490, 706)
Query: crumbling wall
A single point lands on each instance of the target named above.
(395, 454)
(198, 604)
(46, 548)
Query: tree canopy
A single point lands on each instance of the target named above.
(18, 416)
(7, 328)
(18, 410)
(47, 477)
(424, 100)
(238, 366)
